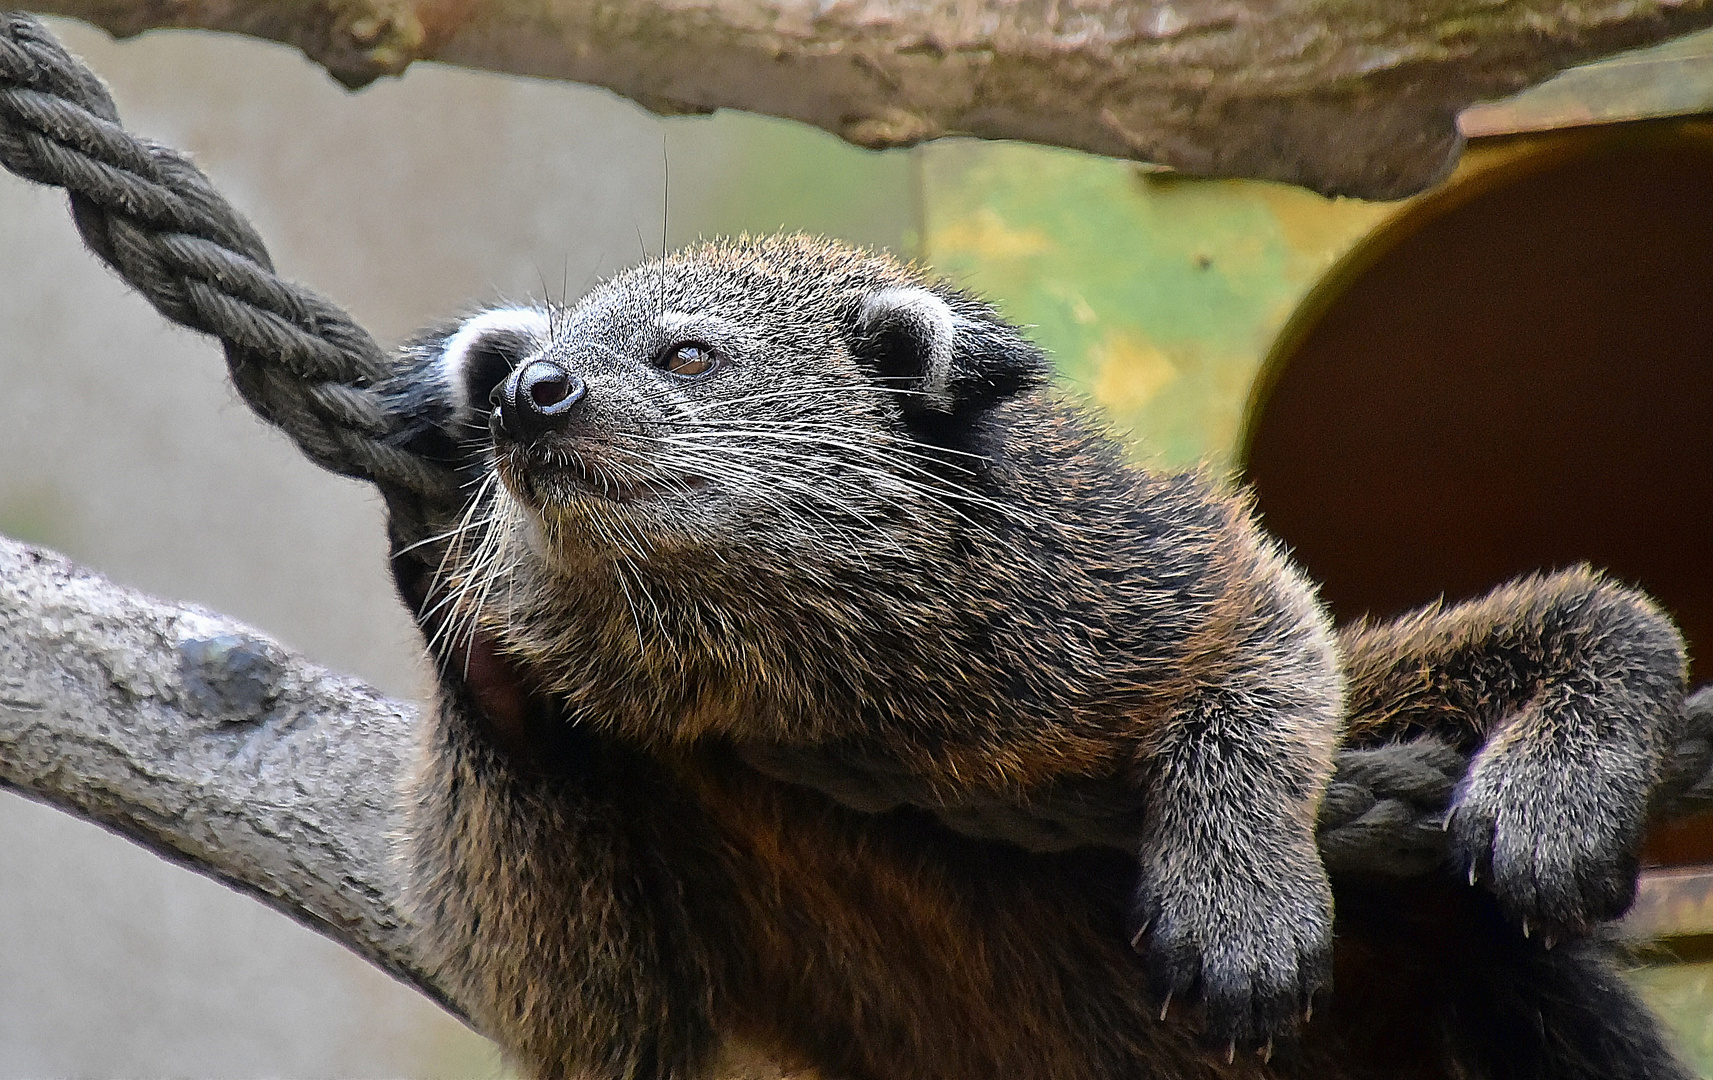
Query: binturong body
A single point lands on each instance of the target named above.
(784, 571)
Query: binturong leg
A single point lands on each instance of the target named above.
(1569, 689)
(1566, 690)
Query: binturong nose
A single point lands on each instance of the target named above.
(536, 399)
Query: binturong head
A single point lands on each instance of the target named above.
(713, 461)
(737, 396)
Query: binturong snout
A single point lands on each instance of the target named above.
(536, 399)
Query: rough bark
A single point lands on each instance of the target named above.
(1353, 98)
(209, 744)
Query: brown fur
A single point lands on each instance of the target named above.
(1565, 687)
(920, 580)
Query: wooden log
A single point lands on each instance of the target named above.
(1345, 99)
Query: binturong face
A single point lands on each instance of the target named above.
(740, 401)
(711, 474)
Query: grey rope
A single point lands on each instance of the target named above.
(305, 366)
(300, 361)
(1382, 814)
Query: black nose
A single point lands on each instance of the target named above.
(535, 400)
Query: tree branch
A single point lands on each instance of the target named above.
(1356, 99)
(210, 745)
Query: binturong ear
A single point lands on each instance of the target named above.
(443, 377)
(485, 348)
(951, 358)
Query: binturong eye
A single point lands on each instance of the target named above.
(688, 360)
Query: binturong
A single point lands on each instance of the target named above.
(780, 556)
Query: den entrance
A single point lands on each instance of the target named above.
(1517, 376)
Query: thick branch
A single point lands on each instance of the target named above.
(1348, 98)
(209, 744)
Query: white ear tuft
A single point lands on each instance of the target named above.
(510, 332)
(930, 323)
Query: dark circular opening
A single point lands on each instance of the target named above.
(1525, 381)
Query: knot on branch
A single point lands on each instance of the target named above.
(297, 358)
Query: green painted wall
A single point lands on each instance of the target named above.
(1158, 295)
(735, 173)
(1682, 994)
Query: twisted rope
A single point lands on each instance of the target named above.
(1382, 815)
(305, 366)
(300, 361)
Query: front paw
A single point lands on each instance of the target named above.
(1555, 840)
(1250, 943)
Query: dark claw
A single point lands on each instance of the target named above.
(1509, 827)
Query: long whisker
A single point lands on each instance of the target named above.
(717, 464)
(805, 393)
(815, 491)
(461, 527)
(630, 604)
(815, 431)
(452, 558)
(467, 522)
(461, 623)
(910, 476)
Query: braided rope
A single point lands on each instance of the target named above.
(305, 366)
(1382, 815)
(299, 360)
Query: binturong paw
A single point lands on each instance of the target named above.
(1251, 950)
(1553, 835)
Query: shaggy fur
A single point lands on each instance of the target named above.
(869, 533)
